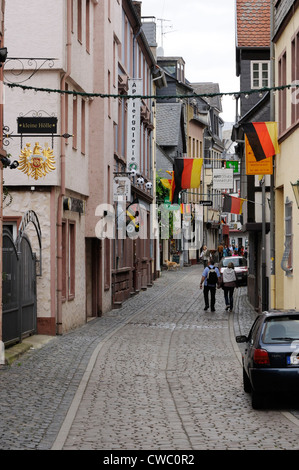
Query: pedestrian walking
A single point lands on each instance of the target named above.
(229, 282)
(205, 256)
(226, 251)
(220, 251)
(210, 279)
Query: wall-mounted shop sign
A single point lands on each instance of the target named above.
(121, 188)
(233, 164)
(223, 179)
(38, 162)
(255, 167)
(133, 139)
(37, 125)
(206, 203)
(73, 204)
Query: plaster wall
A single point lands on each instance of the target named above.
(44, 204)
(287, 172)
(37, 23)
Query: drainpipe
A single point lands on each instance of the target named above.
(2, 359)
(62, 171)
(272, 191)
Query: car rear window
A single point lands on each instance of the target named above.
(236, 261)
(281, 329)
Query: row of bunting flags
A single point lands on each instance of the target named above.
(261, 144)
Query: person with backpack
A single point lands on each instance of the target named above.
(210, 278)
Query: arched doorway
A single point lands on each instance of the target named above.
(19, 282)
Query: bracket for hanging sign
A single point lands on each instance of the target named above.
(7, 136)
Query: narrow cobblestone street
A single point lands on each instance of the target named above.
(159, 373)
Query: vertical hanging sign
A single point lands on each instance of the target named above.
(133, 138)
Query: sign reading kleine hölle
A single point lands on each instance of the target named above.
(37, 125)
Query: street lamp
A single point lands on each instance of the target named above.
(3, 55)
(295, 187)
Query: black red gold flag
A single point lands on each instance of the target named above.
(166, 183)
(262, 138)
(232, 204)
(187, 174)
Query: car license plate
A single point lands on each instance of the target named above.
(293, 360)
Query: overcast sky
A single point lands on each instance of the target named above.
(203, 33)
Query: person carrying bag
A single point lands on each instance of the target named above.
(229, 282)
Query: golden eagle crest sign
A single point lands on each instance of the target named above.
(36, 163)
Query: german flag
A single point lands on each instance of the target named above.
(166, 183)
(232, 204)
(262, 138)
(171, 191)
(187, 174)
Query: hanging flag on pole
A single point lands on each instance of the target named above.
(262, 138)
(171, 191)
(232, 204)
(186, 175)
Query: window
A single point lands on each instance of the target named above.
(64, 258)
(281, 329)
(72, 16)
(170, 69)
(115, 132)
(207, 152)
(87, 25)
(260, 74)
(71, 259)
(254, 330)
(68, 259)
(107, 246)
(287, 258)
(75, 121)
(12, 224)
(122, 126)
(66, 119)
(109, 10)
(295, 77)
(109, 92)
(83, 139)
(79, 20)
(282, 107)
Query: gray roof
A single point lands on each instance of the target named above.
(168, 123)
(209, 87)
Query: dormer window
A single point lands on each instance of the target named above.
(171, 69)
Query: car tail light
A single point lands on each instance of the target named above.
(261, 357)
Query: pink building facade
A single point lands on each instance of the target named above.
(122, 265)
(98, 47)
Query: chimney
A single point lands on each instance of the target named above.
(137, 6)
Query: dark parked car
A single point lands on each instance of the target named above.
(240, 266)
(271, 355)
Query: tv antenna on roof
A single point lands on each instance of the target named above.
(162, 20)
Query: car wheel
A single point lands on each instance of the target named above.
(257, 400)
(246, 382)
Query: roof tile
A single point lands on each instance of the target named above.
(253, 23)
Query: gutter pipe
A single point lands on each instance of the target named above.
(62, 171)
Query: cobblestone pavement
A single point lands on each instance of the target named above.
(159, 373)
